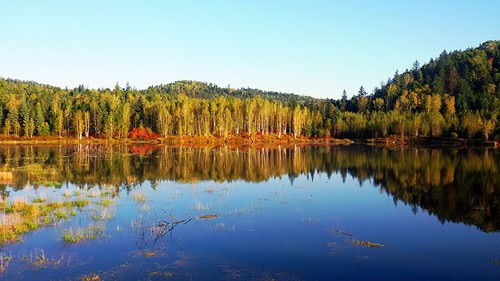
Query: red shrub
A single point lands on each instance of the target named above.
(142, 133)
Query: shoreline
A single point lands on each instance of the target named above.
(254, 140)
(175, 140)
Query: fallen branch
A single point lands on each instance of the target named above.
(366, 243)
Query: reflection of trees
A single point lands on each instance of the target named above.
(459, 185)
(454, 185)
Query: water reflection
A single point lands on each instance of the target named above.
(458, 185)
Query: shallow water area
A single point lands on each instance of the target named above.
(231, 213)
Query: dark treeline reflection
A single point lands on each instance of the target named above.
(459, 185)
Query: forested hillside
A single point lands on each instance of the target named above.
(454, 95)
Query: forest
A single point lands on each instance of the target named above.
(456, 95)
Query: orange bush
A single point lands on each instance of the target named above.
(142, 133)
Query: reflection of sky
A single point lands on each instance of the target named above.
(271, 227)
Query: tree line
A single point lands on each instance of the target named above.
(457, 94)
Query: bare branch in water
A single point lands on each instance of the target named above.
(164, 226)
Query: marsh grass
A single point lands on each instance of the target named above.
(66, 193)
(4, 261)
(91, 277)
(106, 202)
(37, 259)
(61, 214)
(94, 194)
(139, 197)
(80, 234)
(40, 199)
(106, 193)
(20, 217)
(201, 207)
(103, 214)
(367, 243)
(79, 203)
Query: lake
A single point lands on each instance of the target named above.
(249, 213)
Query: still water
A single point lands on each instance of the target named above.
(233, 213)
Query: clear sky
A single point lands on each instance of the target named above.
(315, 48)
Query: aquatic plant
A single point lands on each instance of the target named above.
(66, 193)
(80, 203)
(105, 202)
(40, 199)
(201, 207)
(81, 234)
(4, 261)
(21, 220)
(225, 227)
(93, 194)
(55, 205)
(366, 243)
(102, 214)
(91, 277)
(38, 260)
(161, 274)
(61, 214)
(20, 217)
(139, 197)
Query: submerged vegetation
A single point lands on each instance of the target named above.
(455, 95)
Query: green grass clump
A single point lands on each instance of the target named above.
(78, 203)
(80, 234)
(106, 193)
(61, 214)
(47, 220)
(105, 202)
(93, 194)
(55, 205)
(39, 200)
(21, 217)
(9, 209)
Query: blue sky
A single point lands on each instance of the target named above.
(315, 48)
